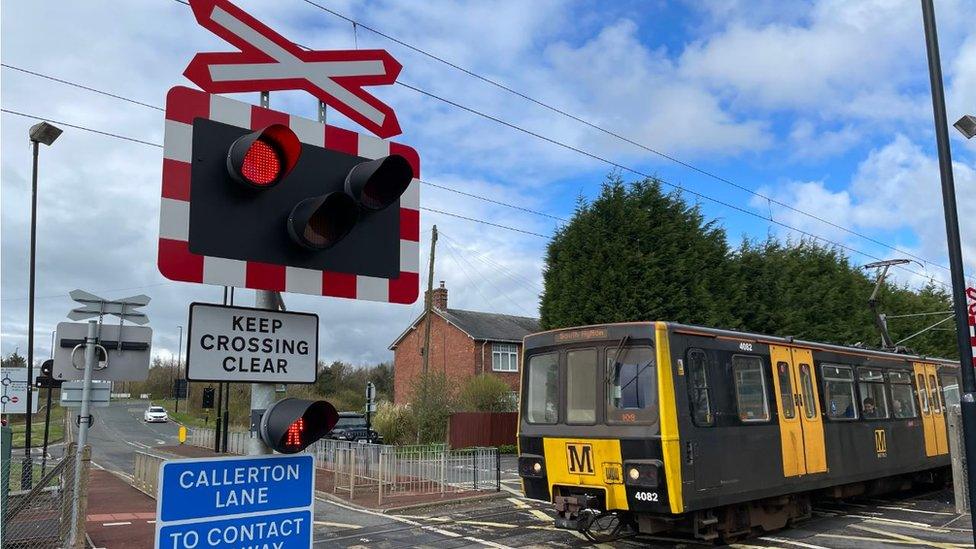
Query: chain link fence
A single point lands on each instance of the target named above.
(358, 469)
(43, 516)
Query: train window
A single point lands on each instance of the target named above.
(632, 385)
(923, 394)
(542, 392)
(786, 389)
(806, 385)
(581, 386)
(698, 391)
(950, 389)
(750, 388)
(902, 403)
(874, 399)
(936, 395)
(838, 383)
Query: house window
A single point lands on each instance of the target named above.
(504, 357)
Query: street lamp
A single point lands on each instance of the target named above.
(39, 133)
(966, 126)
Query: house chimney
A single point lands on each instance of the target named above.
(439, 297)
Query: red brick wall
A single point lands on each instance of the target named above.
(451, 351)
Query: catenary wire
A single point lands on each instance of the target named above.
(158, 108)
(625, 168)
(612, 133)
(141, 142)
(511, 126)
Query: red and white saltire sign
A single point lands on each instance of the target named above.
(268, 62)
(971, 298)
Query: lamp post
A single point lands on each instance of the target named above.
(967, 402)
(179, 370)
(39, 133)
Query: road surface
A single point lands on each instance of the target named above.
(922, 519)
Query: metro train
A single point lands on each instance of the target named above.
(665, 427)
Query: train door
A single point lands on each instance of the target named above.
(937, 405)
(800, 423)
(810, 416)
(928, 424)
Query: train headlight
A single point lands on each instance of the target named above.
(644, 472)
(531, 466)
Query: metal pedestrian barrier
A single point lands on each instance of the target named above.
(359, 470)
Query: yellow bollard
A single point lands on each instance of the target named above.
(182, 434)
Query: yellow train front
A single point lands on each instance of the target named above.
(716, 433)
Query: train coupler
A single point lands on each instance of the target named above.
(571, 509)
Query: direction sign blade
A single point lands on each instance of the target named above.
(140, 300)
(82, 296)
(135, 318)
(81, 313)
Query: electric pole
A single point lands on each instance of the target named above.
(967, 400)
(429, 299)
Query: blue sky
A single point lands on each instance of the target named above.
(822, 106)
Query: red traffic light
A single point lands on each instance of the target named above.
(263, 158)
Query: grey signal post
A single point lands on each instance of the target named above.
(84, 422)
(262, 394)
(968, 399)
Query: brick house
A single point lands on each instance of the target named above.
(463, 344)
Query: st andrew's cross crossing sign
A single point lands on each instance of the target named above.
(260, 199)
(256, 501)
(268, 61)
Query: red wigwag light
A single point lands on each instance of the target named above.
(261, 163)
(293, 437)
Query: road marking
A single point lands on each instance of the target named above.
(791, 542)
(916, 510)
(901, 537)
(519, 503)
(397, 518)
(870, 539)
(906, 524)
(336, 524)
(540, 515)
(150, 522)
(125, 523)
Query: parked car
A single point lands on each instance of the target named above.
(352, 426)
(155, 414)
(357, 434)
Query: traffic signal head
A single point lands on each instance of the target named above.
(260, 199)
(378, 183)
(291, 424)
(263, 158)
(208, 398)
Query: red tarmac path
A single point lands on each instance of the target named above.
(118, 514)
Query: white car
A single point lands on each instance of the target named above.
(154, 414)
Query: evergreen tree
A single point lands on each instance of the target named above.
(636, 253)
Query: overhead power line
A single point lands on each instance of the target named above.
(605, 131)
(151, 144)
(484, 198)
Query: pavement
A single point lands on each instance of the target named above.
(120, 516)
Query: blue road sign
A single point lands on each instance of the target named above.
(256, 501)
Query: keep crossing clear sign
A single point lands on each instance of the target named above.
(245, 345)
(261, 502)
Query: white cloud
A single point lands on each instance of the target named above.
(896, 188)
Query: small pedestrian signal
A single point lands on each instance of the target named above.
(880, 443)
